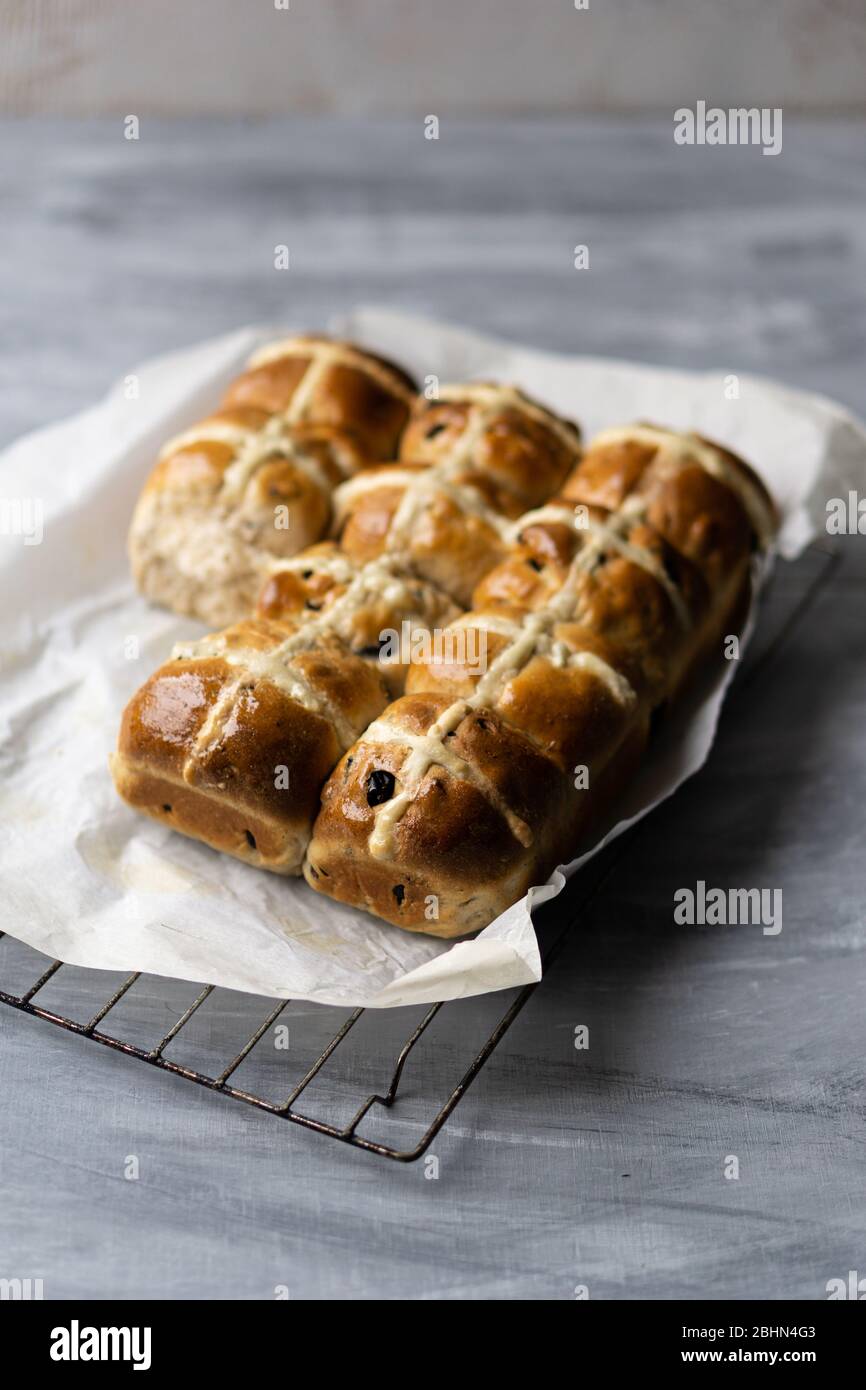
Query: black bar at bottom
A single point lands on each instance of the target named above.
(646, 1336)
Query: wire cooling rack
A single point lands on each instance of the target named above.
(802, 584)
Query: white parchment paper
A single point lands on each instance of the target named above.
(87, 880)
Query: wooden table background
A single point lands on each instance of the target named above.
(604, 1167)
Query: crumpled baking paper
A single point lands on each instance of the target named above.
(87, 880)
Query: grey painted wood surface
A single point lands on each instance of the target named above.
(561, 1167)
(387, 57)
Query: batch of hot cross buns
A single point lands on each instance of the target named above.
(551, 601)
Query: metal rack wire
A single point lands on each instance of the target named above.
(825, 556)
(285, 1109)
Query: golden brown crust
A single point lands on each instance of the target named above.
(380, 620)
(230, 741)
(500, 434)
(445, 542)
(593, 625)
(699, 516)
(452, 841)
(355, 390)
(209, 521)
(255, 479)
(470, 465)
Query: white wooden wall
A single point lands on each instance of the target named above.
(247, 57)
